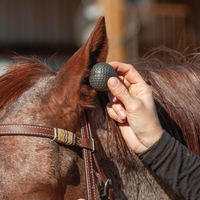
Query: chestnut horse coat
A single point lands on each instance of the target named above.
(39, 168)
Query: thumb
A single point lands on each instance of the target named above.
(118, 89)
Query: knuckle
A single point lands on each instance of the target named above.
(122, 92)
(116, 107)
(109, 110)
(112, 114)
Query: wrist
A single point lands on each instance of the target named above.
(144, 153)
(153, 136)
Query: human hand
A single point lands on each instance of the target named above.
(132, 106)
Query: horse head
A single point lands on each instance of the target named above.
(40, 168)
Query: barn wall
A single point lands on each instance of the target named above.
(37, 21)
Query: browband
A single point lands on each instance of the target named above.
(59, 135)
(86, 142)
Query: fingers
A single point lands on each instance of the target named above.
(128, 72)
(112, 98)
(118, 89)
(116, 109)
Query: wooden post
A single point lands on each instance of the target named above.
(114, 12)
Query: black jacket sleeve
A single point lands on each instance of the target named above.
(176, 165)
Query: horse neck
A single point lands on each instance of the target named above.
(113, 155)
(131, 179)
(176, 90)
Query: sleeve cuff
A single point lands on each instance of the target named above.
(157, 149)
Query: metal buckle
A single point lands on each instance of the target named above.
(93, 147)
(105, 189)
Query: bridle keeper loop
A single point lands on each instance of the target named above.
(64, 137)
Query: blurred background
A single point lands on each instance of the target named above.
(55, 29)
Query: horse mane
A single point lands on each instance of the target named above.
(19, 77)
(176, 90)
(175, 85)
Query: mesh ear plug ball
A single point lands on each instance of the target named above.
(99, 76)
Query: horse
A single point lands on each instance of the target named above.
(39, 168)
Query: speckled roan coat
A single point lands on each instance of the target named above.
(39, 168)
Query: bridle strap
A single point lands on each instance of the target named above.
(86, 142)
(41, 131)
(88, 165)
(106, 181)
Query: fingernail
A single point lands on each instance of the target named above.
(114, 99)
(121, 115)
(114, 82)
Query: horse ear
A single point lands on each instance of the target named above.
(95, 50)
(73, 78)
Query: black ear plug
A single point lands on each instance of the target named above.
(99, 76)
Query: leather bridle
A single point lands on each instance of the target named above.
(86, 142)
